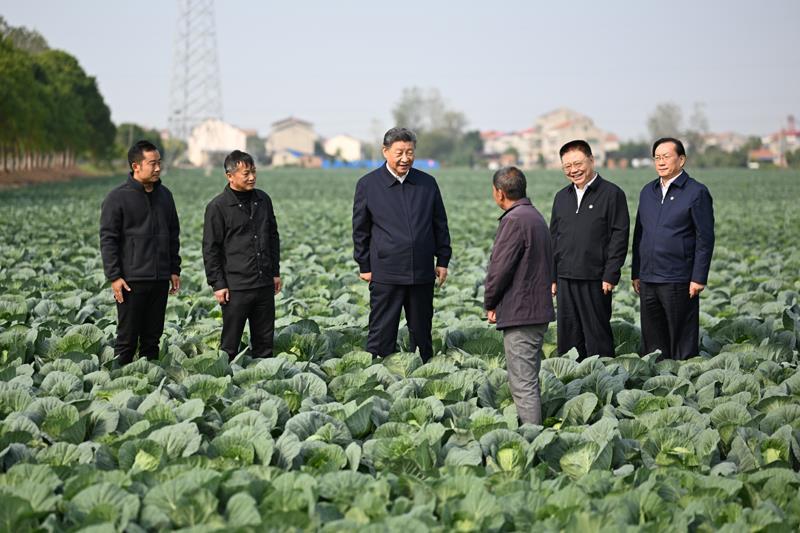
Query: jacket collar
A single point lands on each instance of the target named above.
(680, 181)
(138, 186)
(390, 180)
(232, 199)
(521, 201)
(596, 184)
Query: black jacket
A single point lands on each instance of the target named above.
(139, 233)
(590, 243)
(517, 282)
(673, 238)
(398, 228)
(241, 245)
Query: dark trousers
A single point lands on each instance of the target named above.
(386, 301)
(584, 318)
(256, 306)
(670, 320)
(140, 320)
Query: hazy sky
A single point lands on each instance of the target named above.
(503, 63)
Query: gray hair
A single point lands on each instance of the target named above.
(511, 181)
(399, 135)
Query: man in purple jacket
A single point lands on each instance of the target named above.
(517, 289)
(399, 227)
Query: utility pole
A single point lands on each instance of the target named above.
(195, 91)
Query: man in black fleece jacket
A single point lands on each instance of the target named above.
(589, 226)
(140, 244)
(241, 253)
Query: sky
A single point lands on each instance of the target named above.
(343, 65)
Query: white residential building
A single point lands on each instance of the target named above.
(343, 147)
(212, 138)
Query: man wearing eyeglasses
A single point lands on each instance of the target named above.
(589, 227)
(673, 240)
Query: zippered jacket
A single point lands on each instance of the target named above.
(398, 228)
(590, 242)
(673, 238)
(139, 233)
(241, 244)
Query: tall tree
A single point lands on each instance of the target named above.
(665, 121)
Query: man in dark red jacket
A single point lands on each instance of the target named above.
(517, 289)
(399, 227)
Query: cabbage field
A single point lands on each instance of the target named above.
(320, 438)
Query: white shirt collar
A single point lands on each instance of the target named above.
(398, 178)
(580, 192)
(665, 185)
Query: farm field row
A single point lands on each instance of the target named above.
(319, 437)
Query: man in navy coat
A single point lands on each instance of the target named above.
(399, 227)
(673, 240)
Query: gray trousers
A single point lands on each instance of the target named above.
(523, 346)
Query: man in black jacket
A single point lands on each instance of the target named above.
(241, 253)
(140, 244)
(589, 226)
(517, 289)
(399, 225)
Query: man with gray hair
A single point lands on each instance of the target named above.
(399, 227)
(517, 289)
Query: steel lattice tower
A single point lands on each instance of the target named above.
(195, 91)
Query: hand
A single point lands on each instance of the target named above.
(276, 281)
(441, 275)
(695, 289)
(366, 276)
(608, 287)
(175, 284)
(116, 287)
(491, 315)
(554, 289)
(636, 285)
(222, 296)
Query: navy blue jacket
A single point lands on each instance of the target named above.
(673, 240)
(518, 278)
(398, 228)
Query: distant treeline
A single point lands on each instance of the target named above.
(51, 112)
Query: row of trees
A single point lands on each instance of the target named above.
(51, 112)
(441, 131)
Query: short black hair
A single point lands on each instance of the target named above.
(678, 145)
(236, 158)
(399, 135)
(511, 181)
(577, 144)
(136, 152)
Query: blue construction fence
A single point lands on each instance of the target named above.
(422, 164)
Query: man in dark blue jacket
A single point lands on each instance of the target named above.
(399, 226)
(140, 245)
(673, 240)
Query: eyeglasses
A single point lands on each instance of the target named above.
(664, 158)
(577, 164)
